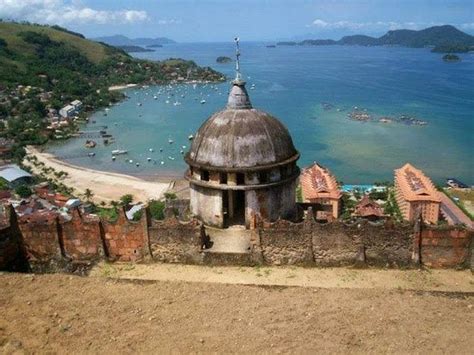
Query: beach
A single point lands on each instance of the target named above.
(106, 186)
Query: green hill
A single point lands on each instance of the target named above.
(57, 66)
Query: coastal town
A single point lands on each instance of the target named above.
(159, 205)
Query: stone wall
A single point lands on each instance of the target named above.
(12, 256)
(175, 242)
(50, 240)
(336, 244)
(446, 247)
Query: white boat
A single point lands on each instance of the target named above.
(162, 162)
(148, 159)
(177, 103)
(203, 102)
(170, 141)
(139, 104)
(155, 97)
(170, 158)
(151, 150)
(113, 158)
(191, 137)
(119, 152)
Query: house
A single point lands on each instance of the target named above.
(67, 111)
(320, 190)
(368, 209)
(77, 105)
(6, 147)
(14, 175)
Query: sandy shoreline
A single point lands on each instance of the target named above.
(106, 186)
(121, 87)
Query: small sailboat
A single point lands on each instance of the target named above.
(119, 152)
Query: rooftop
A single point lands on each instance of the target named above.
(415, 185)
(318, 182)
(13, 172)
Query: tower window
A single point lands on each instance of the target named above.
(223, 178)
(263, 177)
(204, 175)
(240, 179)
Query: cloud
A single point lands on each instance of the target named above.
(60, 12)
(172, 21)
(467, 26)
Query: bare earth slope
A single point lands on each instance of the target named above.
(64, 314)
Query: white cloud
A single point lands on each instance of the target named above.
(61, 12)
(172, 21)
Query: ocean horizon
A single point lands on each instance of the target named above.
(311, 89)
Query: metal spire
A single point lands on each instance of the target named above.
(238, 76)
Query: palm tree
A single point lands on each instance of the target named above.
(114, 204)
(88, 194)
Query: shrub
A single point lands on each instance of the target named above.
(23, 191)
(157, 209)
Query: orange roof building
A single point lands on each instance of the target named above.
(319, 186)
(367, 208)
(414, 190)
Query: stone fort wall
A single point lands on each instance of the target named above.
(50, 243)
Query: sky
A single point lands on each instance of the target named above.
(251, 20)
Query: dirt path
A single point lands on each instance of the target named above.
(427, 280)
(70, 314)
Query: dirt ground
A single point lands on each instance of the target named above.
(72, 314)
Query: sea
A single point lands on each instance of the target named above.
(312, 90)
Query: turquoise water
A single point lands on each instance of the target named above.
(291, 83)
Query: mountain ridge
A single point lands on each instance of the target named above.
(436, 36)
(121, 40)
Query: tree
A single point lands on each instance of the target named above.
(23, 191)
(88, 194)
(126, 199)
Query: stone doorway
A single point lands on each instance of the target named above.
(234, 207)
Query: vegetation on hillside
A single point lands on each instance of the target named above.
(46, 67)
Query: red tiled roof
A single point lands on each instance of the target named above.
(318, 182)
(367, 207)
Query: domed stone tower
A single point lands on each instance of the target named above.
(242, 164)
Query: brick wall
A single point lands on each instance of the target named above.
(81, 237)
(48, 239)
(126, 240)
(446, 247)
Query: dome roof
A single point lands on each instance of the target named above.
(241, 138)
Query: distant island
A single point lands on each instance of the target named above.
(155, 46)
(444, 39)
(120, 40)
(223, 60)
(451, 58)
(134, 49)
